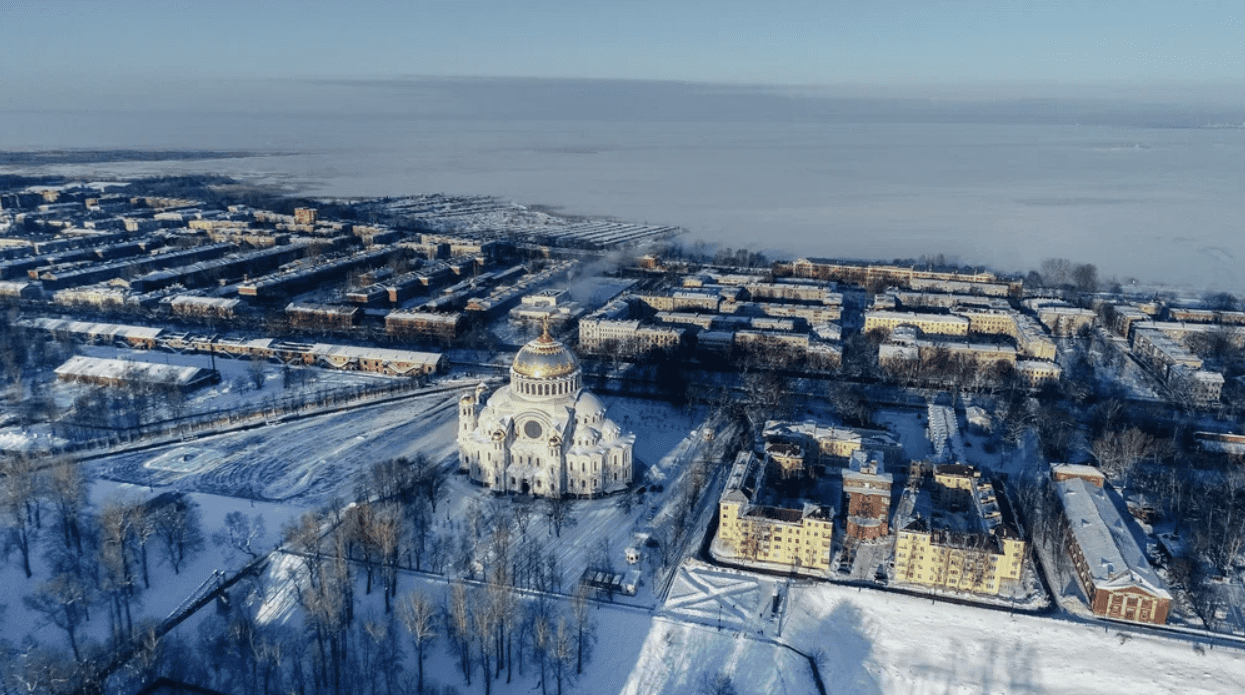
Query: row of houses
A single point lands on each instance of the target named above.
(906, 351)
(868, 275)
(352, 358)
(964, 320)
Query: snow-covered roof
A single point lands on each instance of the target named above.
(1114, 559)
(95, 368)
(195, 300)
(373, 353)
(861, 482)
(89, 328)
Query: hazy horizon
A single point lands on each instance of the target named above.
(1141, 187)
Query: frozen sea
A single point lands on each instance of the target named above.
(1143, 191)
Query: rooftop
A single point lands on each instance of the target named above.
(1112, 554)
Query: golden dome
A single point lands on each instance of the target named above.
(545, 358)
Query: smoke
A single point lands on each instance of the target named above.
(586, 286)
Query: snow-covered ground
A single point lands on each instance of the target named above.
(168, 588)
(311, 459)
(879, 642)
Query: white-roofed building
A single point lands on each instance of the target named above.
(1112, 569)
(543, 434)
(109, 372)
(378, 360)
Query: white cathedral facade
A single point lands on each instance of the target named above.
(544, 434)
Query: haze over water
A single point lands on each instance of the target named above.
(1140, 189)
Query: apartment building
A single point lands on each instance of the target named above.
(797, 538)
(1111, 568)
(929, 324)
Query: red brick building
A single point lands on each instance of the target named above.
(868, 491)
(1113, 571)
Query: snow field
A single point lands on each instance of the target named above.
(168, 589)
(882, 642)
(677, 657)
(310, 460)
(868, 642)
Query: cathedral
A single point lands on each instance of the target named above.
(544, 434)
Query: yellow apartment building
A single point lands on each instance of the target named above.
(974, 562)
(929, 324)
(747, 532)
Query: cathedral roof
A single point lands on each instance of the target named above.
(545, 358)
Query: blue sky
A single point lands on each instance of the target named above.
(922, 42)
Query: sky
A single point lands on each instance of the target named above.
(92, 44)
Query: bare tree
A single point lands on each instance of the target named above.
(387, 535)
(255, 372)
(562, 651)
(585, 628)
(716, 684)
(303, 537)
(19, 504)
(1057, 430)
(178, 530)
(45, 670)
(1056, 272)
(418, 616)
(117, 578)
(560, 513)
(63, 601)
(460, 624)
(487, 624)
(419, 522)
(241, 533)
(1085, 277)
(358, 527)
(1218, 518)
(1119, 450)
(431, 480)
(542, 639)
(66, 489)
(1221, 301)
(142, 528)
(391, 478)
(850, 402)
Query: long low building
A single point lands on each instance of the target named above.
(417, 324)
(378, 360)
(93, 333)
(1113, 571)
(930, 324)
(597, 335)
(347, 357)
(869, 274)
(110, 372)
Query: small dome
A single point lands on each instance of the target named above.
(545, 358)
(589, 407)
